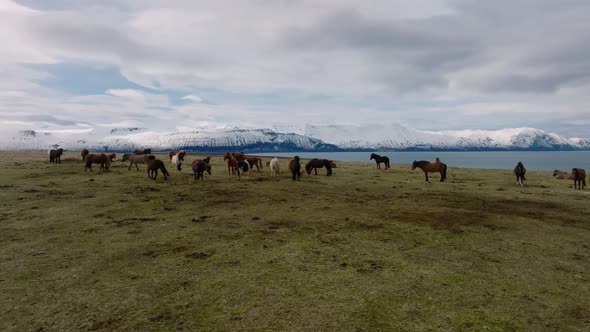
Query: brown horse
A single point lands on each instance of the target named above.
(579, 178)
(199, 167)
(112, 156)
(561, 175)
(333, 164)
(253, 161)
(101, 159)
(153, 165)
(318, 163)
(232, 163)
(84, 153)
(144, 151)
(55, 156)
(427, 167)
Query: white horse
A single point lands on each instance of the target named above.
(275, 167)
(176, 163)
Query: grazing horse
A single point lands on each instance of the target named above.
(55, 156)
(333, 164)
(579, 178)
(144, 151)
(243, 168)
(231, 163)
(199, 167)
(101, 159)
(84, 153)
(153, 165)
(275, 167)
(318, 163)
(520, 171)
(380, 159)
(295, 167)
(112, 156)
(561, 175)
(427, 167)
(135, 159)
(253, 161)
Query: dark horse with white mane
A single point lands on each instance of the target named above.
(380, 159)
(427, 167)
(318, 163)
(520, 171)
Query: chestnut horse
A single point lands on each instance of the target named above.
(380, 159)
(112, 156)
(579, 178)
(562, 175)
(232, 162)
(101, 159)
(318, 163)
(84, 153)
(153, 165)
(427, 167)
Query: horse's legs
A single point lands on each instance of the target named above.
(136, 166)
(426, 174)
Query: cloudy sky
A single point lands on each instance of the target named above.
(174, 65)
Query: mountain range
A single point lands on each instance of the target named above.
(390, 137)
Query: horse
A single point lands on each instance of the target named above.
(275, 167)
(579, 178)
(199, 167)
(333, 164)
(380, 159)
(101, 159)
(243, 167)
(181, 154)
(295, 167)
(177, 162)
(561, 175)
(231, 163)
(520, 171)
(55, 156)
(254, 161)
(144, 151)
(318, 163)
(84, 153)
(112, 156)
(135, 159)
(153, 165)
(427, 167)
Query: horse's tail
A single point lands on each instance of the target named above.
(444, 171)
(163, 168)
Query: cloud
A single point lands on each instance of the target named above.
(259, 62)
(194, 98)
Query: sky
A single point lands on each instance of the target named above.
(189, 64)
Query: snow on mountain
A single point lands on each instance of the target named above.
(310, 138)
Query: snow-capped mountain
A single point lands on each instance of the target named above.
(310, 138)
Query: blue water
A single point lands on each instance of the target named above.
(532, 160)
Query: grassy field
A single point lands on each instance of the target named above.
(365, 249)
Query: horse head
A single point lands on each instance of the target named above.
(308, 168)
(372, 156)
(556, 172)
(208, 169)
(414, 165)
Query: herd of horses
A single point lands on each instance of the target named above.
(240, 164)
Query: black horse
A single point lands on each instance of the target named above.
(318, 163)
(380, 159)
(295, 167)
(55, 156)
(144, 151)
(579, 176)
(520, 171)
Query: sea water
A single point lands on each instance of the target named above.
(532, 160)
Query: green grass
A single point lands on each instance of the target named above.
(361, 250)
